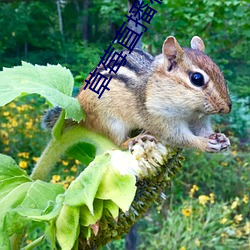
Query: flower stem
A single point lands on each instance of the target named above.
(57, 147)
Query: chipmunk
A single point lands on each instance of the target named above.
(170, 96)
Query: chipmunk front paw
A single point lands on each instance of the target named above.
(217, 142)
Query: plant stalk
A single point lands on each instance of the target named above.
(57, 147)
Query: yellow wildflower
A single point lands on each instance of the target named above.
(65, 185)
(224, 164)
(238, 233)
(6, 113)
(238, 218)
(193, 190)
(197, 242)
(182, 248)
(29, 124)
(12, 105)
(234, 152)
(23, 164)
(203, 199)
(223, 220)
(211, 195)
(73, 168)
(24, 154)
(235, 203)
(28, 241)
(223, 235)
(187, 211)
(23, 107)
(70, 178)
(35, 159)
(14, 123)
(65, 163)
(238, 159)
(6, 141)
(245, 199)
(77, 162)
(247, 227)
(6, 149)
(55, 178)
(4, 134)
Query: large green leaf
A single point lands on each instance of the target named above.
(40, 193)
(83, 189)
(83, 152)
(53, 82)
(67, 226)
(118, 188)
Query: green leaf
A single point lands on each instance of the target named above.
(86, 218)
(50, 234)
(9, 168)
(83, 152)
(118, 188)
(47, 215)
(112, 208)
(6, 186)
(83, 189)
(53, 82)
(67, 226)
(39, 194)
(14, 198)
(86, 231)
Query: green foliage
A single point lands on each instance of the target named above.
(198, 224)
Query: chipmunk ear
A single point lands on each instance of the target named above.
(172, 50)
(197, 43)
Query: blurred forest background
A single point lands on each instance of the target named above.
(207, 206)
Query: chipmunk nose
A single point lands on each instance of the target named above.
(226, 109)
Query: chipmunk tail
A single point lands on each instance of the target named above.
(50, 118)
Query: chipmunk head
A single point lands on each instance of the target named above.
(198, 77)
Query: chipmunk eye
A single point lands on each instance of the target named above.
(197, 79)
